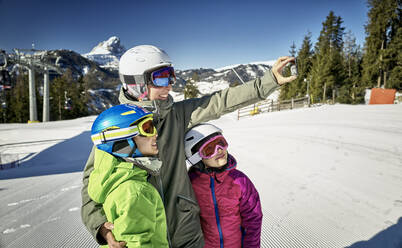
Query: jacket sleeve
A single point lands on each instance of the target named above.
(251, 214)
(91, 212)
(138, 220)
(212, 106)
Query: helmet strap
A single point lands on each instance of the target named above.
(143, 95)
(137, 154)
(134, 150)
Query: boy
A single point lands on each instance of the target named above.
(124, 135)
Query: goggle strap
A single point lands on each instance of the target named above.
(121, 133)
(195, 158)
(132, 79)
(143, 95)
(118, 134)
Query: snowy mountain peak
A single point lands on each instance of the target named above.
(111, 47)
(107, 53)
(269, 63)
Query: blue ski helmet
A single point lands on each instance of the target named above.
(113, 129)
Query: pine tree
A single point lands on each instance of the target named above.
(191, 90)
(71, 96)
(284, 92)
(82, 99)
(352, 91)
(20, 100)
(395, 51)
(57, 98)
(304, 64)
(292, 50)
(384, 17)
(327, 72)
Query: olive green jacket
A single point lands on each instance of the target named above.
(172, 122)
(129, 200)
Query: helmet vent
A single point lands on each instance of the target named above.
(190, 138)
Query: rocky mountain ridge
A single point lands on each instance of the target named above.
(99, 70)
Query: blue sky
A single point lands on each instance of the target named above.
(207, 34)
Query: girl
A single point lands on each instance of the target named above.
(230, 205)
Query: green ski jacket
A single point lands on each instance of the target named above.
(129, 201)
(172, 121)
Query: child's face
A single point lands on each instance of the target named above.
(146, 145)
(219, 160)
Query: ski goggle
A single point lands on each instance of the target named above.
(210, 148)
(144, 128)
(163, 77)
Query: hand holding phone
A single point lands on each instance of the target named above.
(293, 68)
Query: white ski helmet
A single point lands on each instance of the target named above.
(194, 136)
(136, 64)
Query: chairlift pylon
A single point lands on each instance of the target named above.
(5, 79)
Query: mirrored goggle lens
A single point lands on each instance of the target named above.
(210, 148)
(163, 77)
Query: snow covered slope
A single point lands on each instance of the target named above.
(328, 176)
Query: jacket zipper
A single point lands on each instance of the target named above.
(218, 223)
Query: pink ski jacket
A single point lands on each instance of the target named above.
(230, 207)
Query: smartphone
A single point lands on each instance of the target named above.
(293, 68)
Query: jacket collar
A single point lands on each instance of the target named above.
(218, 173)
(150, 164)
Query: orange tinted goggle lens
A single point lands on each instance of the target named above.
(148, 127)
(209, 148)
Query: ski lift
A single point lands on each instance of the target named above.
(67, 101)
(5, 80)
(3, 59)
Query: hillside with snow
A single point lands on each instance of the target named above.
(328, 177)
(99, 71)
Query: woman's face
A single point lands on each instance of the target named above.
(158, 93)
(146, 145)
(219, 160)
